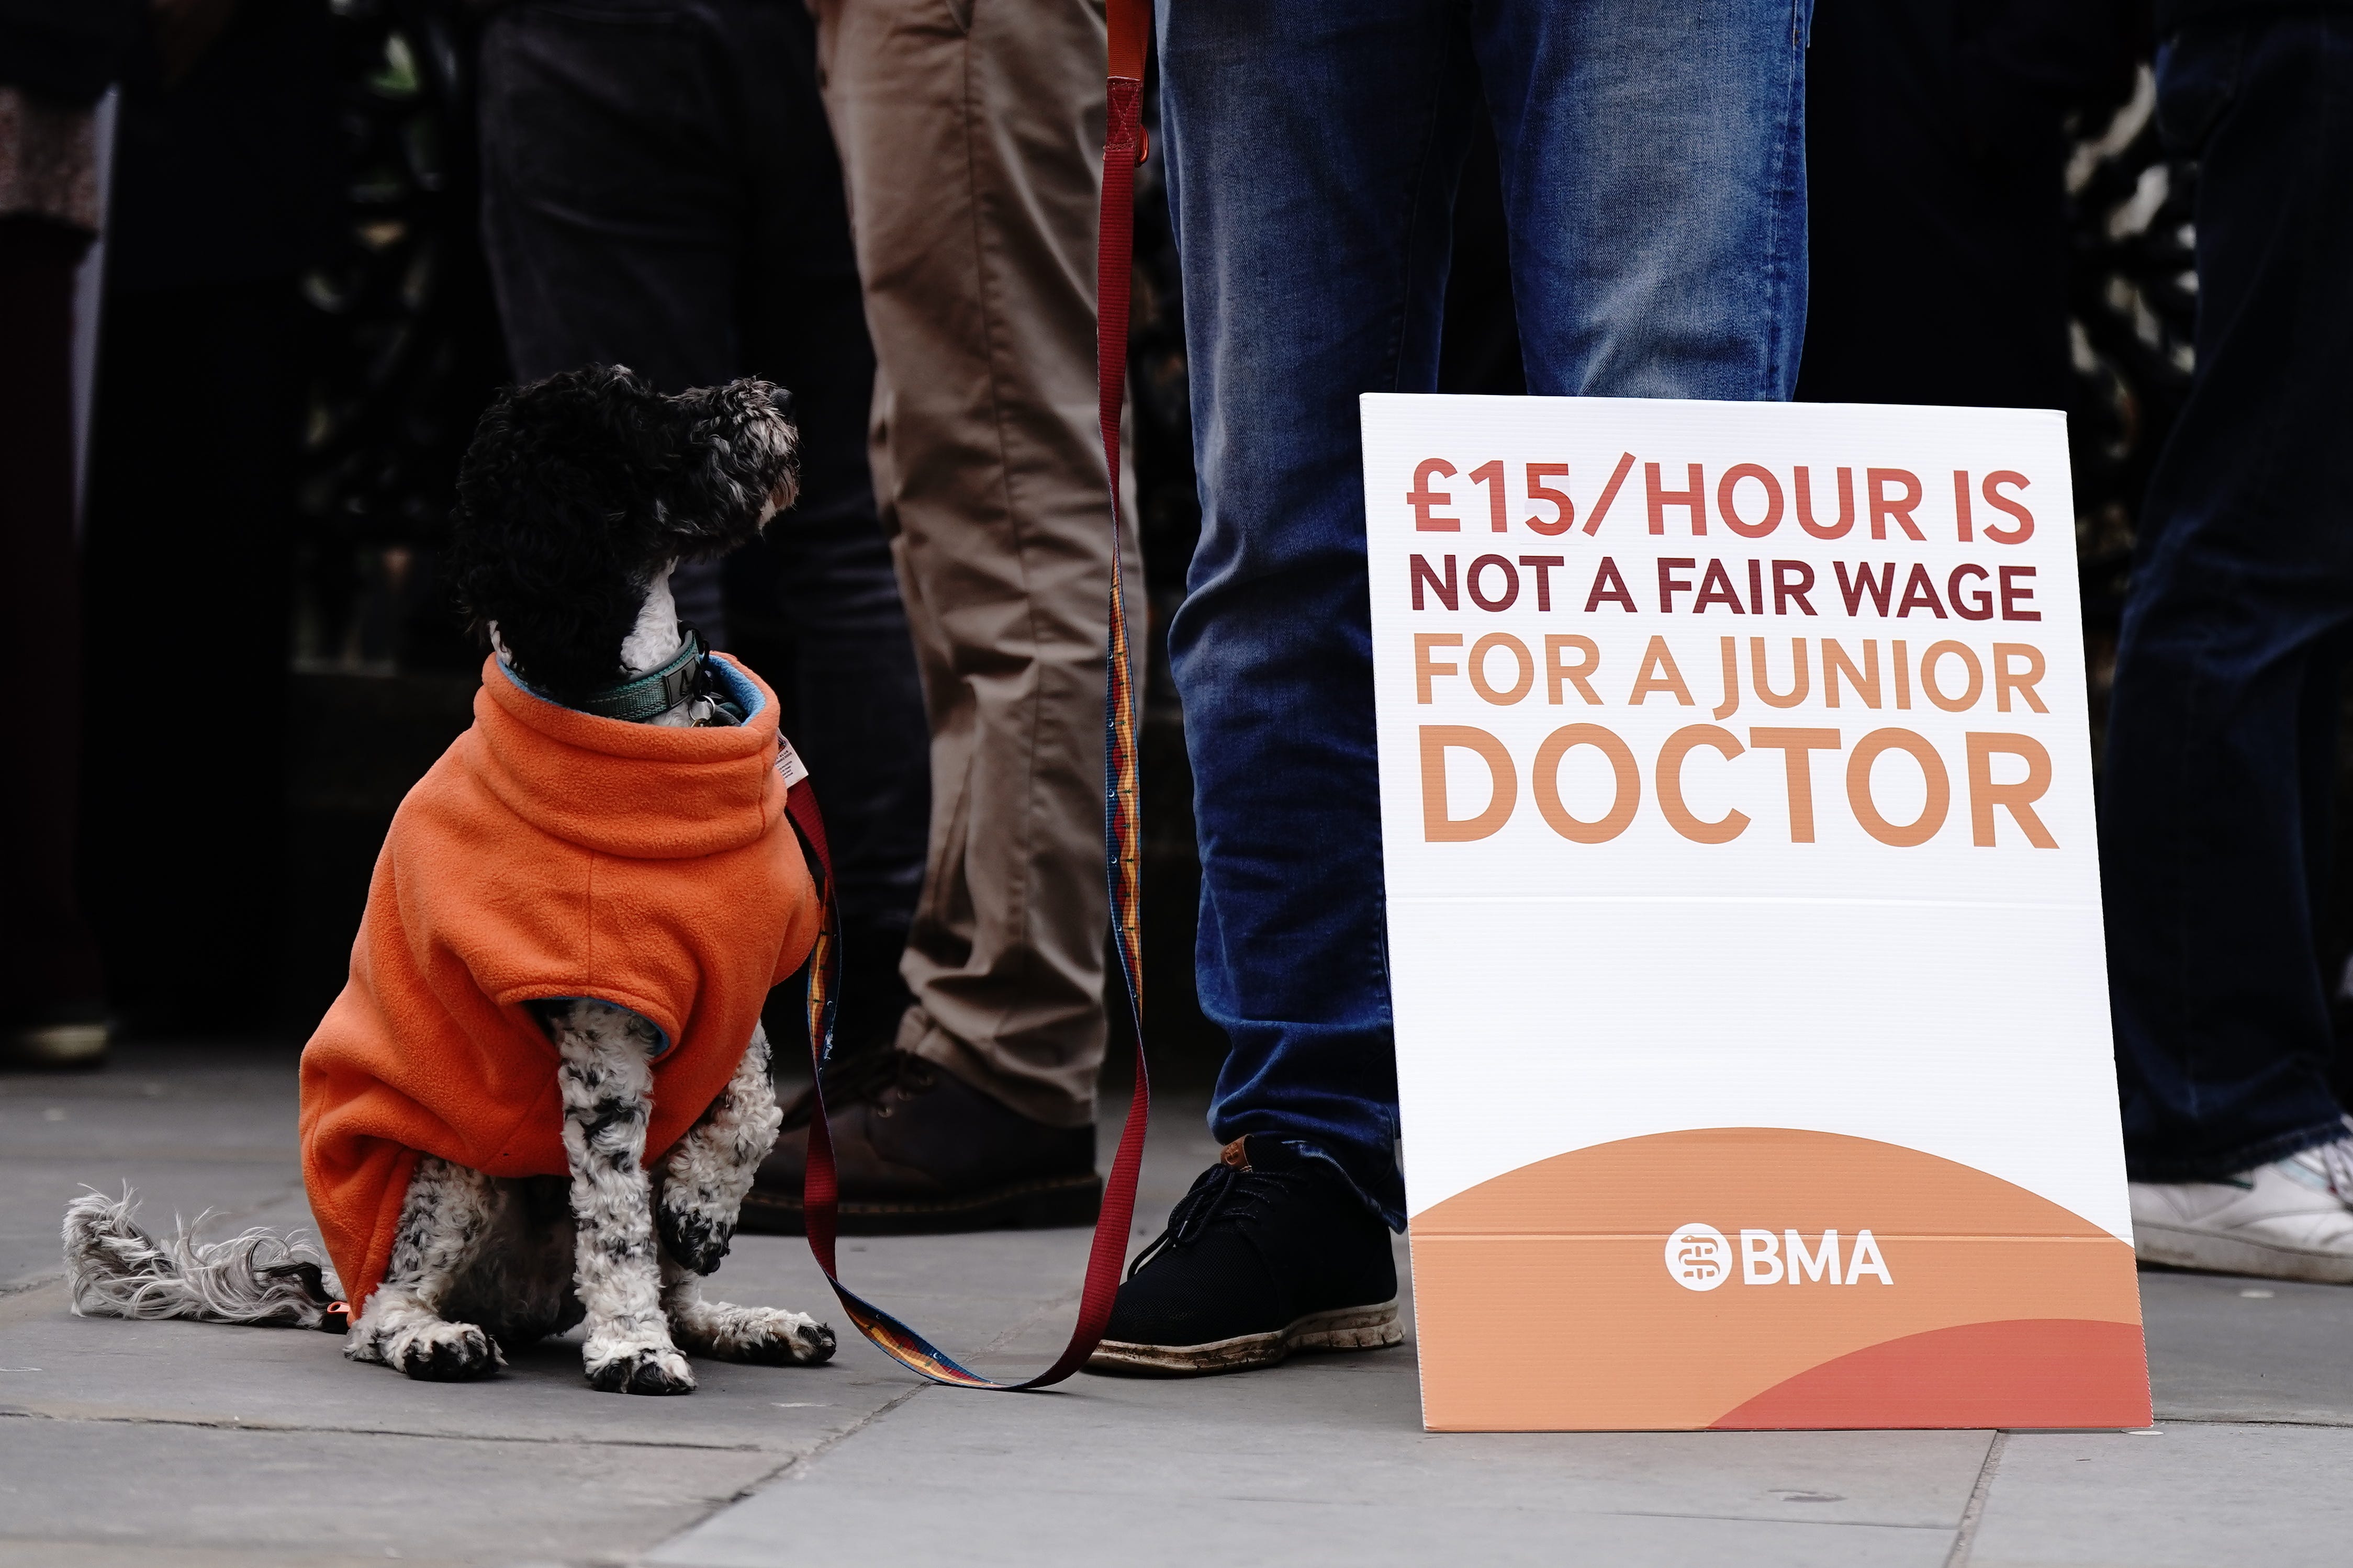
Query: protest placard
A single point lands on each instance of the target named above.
(1743, 914)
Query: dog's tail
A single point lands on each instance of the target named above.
(118, 1270)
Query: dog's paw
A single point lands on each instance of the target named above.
(761, 1336)
(790, 1339)
(444, 1353)
(638, 1369)
(692, 1237)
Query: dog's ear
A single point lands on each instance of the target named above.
(559, 524)
(736, 464)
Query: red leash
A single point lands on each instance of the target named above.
(1123, 148)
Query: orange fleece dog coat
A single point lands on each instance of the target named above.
(549, 853)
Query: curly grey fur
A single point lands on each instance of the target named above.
(706, 1175)
(763, 1336)
(118, 1270)
(703, 1182)
(606, 1080)
(444, 1218)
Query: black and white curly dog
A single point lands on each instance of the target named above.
(579, 495)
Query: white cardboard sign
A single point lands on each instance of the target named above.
(1743, 917)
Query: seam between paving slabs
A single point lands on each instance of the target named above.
(1965, 1539)
(17, 1549)
(19, 1413)
(1538, 1511)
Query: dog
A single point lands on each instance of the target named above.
(476, 1140)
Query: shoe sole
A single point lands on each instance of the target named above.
(1056, 1203)
(2210, 1254)
(1344, 1329)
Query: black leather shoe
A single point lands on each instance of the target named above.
(1271, 1252)
(919, 1152)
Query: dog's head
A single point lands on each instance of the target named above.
(579, 489)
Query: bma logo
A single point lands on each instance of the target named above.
(1699, 1257)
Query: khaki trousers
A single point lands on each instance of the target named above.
(971, 137)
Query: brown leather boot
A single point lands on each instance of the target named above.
(919, 1150)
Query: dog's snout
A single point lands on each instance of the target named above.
(781, 401)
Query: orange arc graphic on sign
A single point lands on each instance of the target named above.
(1542, 1300)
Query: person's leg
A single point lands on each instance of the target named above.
(612, 211)
(1655, 199)
(1313, 153)
(187, 537)
(970, 131)
(1654, 182)
(51, 1006)
(1313, 147)
(2217, 789)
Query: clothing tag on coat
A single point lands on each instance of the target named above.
(788, 763)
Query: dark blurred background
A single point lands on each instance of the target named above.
(1994, 221)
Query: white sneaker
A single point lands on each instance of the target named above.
(2291, 1219)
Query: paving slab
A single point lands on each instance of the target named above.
(195, 1126)
(2192, 1495)
(124, 1487)
(2225, 1349)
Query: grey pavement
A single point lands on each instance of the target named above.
(184, 1446)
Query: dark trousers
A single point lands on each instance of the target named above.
(660, 191)
(2214, 813)
(48, 963)
(185, 542)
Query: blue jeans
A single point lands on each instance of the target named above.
(2221, 757)
(1654, 181)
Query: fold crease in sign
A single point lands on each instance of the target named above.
(1736, 801)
